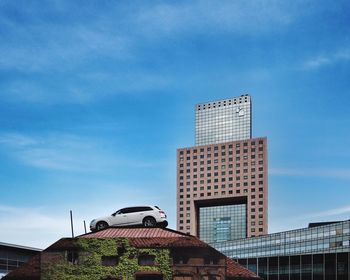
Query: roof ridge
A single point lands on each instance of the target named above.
(138, 227)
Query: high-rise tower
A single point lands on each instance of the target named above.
(222, 181)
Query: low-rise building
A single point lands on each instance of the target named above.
(318, 252)
(13, 256)
(132, 253)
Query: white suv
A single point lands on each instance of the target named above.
(148, 216)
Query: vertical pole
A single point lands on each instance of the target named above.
(85, 226)
(71, 223)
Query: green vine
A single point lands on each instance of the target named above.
(89, 267)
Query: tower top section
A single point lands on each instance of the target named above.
(224, 120)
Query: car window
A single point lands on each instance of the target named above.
(143, 208)
(127, 210)
(138, 209)
(134, 209)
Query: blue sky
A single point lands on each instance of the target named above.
(97, 95)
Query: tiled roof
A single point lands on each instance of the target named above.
(63, 244)
(149, 237)
(167, 242)
(236, 271)
(114, 232)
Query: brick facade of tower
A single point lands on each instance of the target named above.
(223, 174)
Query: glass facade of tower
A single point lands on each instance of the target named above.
(312, 253)
(223, 121)
(222, 223)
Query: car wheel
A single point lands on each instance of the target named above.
(101, 225)
(164, 224)
(149, 222)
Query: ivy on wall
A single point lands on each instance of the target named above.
(90, 266)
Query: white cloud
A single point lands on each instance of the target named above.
(335, 212)
(227, 16)
(31, 227)
(65, 152)
(41, 226)
(116, 36)
(327, 59)
(301, 220)
(60, 48)
(17, 140)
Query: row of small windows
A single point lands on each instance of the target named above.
(181, 190)
(217, 154)
(297, 238)
(216, 148)
(217, 193)
(212, 129)
(223, 167)
(252, 196)
(260, 230)
(208, 128)
(253, 163)
(143, 259)
(252, 203)
(224, 102)
(253, 216)
(224, 119)
(222, 160)
(223, 180)
(261, 216)
(223, 192)
(223, 173)
(215, 174)
(301, 247)
(297, 246)
(205, 125)
(187, 227)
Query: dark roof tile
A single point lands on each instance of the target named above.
(236, 271)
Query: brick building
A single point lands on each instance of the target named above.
(131, 253)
